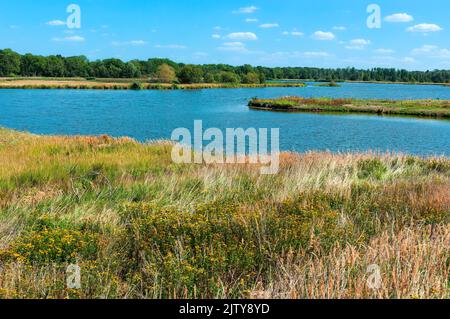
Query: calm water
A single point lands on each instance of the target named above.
(147, 115)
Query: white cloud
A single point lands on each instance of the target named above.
(432, 51)
(399, 17)
(425, 28)
(170, 46)
(246, 10)
(132, 42)
(233, 47)
(297, 33)
(339, 28)
(293, 33)
(384, 51)
(325, 36)
(269, 25)
(358, 44)
(250, 20)
(55, 23)
(242, 36)
(216, 36)
(75, 38)
(234, 44)
(316, 54)
(408, 60)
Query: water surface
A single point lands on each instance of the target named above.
(148, 115)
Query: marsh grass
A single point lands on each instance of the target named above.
(140, 226)
(123, 84)
(427, 108)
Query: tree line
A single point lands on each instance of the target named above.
(13, 64)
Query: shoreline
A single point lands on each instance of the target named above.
(141, 84)
(439, 109)
(128, 85)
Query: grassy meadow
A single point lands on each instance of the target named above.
(140, 226)
(421, 108)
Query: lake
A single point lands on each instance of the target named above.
(149, 115)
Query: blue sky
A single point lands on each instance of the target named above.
(414, 34)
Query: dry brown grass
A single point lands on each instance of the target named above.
(413, 263)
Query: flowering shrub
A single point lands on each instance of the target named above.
(217, 243)
(49, 245)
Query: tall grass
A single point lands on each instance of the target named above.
(428, 108)
(141, 226)
(124, 84)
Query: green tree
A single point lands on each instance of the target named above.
(228, 77)
(9, 63)
(190, 74)
(251, 78)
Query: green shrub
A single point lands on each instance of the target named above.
(137, 86)
(51, 245)
(371, 169)
(183, 251)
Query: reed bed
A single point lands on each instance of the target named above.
(140, 226)
(421, 108)
(125, 84)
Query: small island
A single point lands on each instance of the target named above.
(420, 108)
(331, 84)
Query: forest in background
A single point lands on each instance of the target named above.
(13, 64)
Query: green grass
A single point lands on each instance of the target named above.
(330, 84)
(421, 108)
(140, 226)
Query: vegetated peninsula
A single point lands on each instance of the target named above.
(56, 71)
(420, 108)
(140, 226)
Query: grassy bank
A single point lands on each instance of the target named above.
(140, 226)
(425, 108)
(123, 84)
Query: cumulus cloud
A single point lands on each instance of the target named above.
(408, 60)
(269, 25)
(324, 36)
(432, 51)
(425, 28)
(216, 36)
(358, 44)
(384, 51)
(234, 47)
(250, 20)
(75, 38)
(293, 33)
(55, 23)
(399, 18)
(246, 10)
(339, 28)
(242, 36)
(313, 54)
